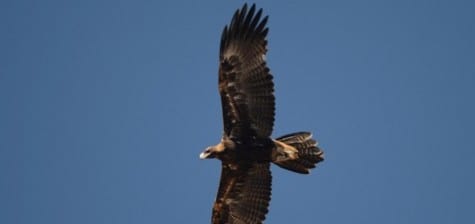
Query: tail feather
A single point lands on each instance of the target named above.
(309, 154)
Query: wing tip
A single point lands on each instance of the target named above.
(246, 23)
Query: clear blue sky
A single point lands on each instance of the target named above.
(106, 105)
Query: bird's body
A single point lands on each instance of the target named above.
(246, 148)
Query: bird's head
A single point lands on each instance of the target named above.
(212, 151)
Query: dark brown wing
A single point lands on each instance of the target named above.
(245, 84)
(243, 195)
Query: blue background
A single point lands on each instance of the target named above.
(106, 105)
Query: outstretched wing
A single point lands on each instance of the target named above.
(243, 195)
(245, 84)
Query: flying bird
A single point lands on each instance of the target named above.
(248, 105)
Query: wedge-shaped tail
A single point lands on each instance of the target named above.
(308, 152)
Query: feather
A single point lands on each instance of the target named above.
(245, 82)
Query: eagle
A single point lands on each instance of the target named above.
(246, 149)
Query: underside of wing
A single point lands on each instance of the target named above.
(245, 83)
(243, 195)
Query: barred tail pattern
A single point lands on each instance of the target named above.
(309, 154)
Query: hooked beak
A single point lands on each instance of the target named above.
(205, 154)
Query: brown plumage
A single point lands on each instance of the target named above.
(245, 84)
(248, 104)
